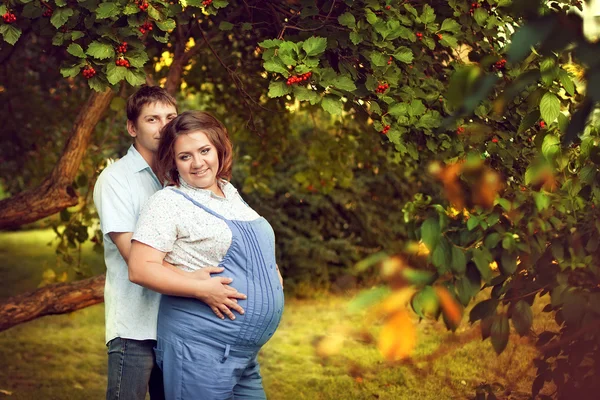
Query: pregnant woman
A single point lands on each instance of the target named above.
(199, 219)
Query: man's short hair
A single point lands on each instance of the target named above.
(147, 95)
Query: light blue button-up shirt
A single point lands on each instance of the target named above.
(120, 193)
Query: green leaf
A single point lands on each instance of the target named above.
(566, 81)
(528, 36)
(76, 50)
(442, 255)
(356, 38)
(135, 77)
(449, 41)
(278, 89)
(347, 19)
(431, 119)
(97, 84)
(68, 72)
(305, 94)
(130, 8)
(528, 121)
(100, 50)
(508, 263)
(225, 26)
(60, 16)
(499, 333)
(416, 108)
(491, 240)
(275, 65)
(398, 109)
(482, 259)
(404, 54)
(166, 25)
(371, 17)
(522, 317)
(137, 58)
(483, 309)
(542, 201)
(314, 46)
(481, 15)
(428, 15)
(450, 25)
(549, 107)
(106, 10)
(77, 35)
(270, 43)
(550, 146)
(10, 33)
(472, 222)
(430, 233)
(332, 105)
(344, 83)
(154, 13)
(459, 262)
(378, 59)
(115, 74)
(367, 298)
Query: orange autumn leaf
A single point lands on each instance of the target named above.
(398, 337)
(395, 302)
(450, 307)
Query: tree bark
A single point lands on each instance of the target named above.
(56, 193)
(58, 298)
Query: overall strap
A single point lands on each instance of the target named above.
(208, 210)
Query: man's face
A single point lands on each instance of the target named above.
(146, 130)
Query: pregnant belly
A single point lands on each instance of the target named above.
(263, 311)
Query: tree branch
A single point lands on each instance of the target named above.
(58, 298)
(56, 193)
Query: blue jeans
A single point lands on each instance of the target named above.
(132, 370)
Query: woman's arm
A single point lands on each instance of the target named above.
(146, 269)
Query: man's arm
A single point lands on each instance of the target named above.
(215, 292)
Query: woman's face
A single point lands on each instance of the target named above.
(197, 161)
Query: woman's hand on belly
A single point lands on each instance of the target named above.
(219, 296)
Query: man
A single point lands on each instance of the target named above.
(131, 310)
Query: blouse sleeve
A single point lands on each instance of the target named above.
(157, 226)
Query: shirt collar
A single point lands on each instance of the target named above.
(228, 190)
(137, 161)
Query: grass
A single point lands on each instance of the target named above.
(64, 357)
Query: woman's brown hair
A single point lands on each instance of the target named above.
(185, 123)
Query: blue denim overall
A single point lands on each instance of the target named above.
(205, 358)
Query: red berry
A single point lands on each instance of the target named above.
(542, 124)
(495, 140)
(388, 7)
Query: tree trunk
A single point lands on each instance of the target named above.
(58, 298)
(56, 193)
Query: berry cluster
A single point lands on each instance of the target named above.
(9, 17)
(386, 129)
(382, 87)
(419, 35)
(47, 13)
(122, 48)
(500, 64)
(89, 72)
(542, 124)
(143, 6)
(460, 130)
(473, 7)
(207, 3)
(299, 78)
(146, 27)
(390, 60)
(121, 62)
